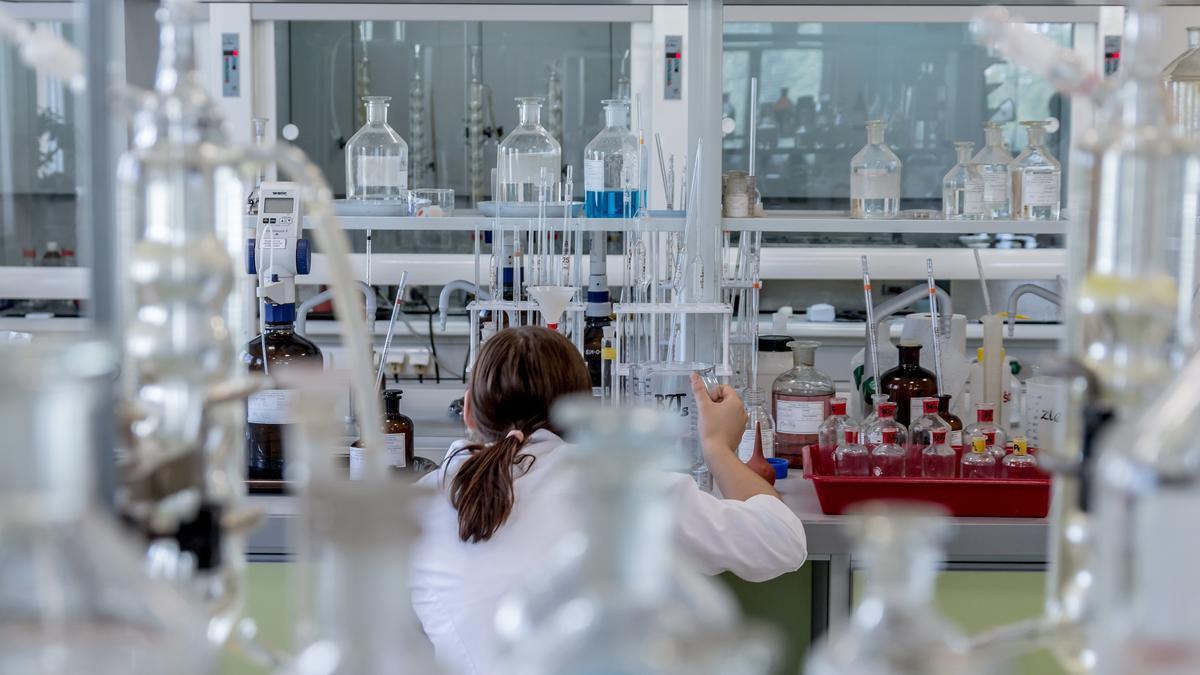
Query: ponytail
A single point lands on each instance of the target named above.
(482, 488)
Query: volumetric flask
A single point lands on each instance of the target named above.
(668, 386)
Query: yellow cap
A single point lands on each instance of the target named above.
(1020, 445)
(978, 444)
(979, 354)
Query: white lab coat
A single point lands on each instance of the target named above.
(456, 586)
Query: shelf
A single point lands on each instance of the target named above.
(838, 222)
(470, 221)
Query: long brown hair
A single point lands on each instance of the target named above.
(519, 374)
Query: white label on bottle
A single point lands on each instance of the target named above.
(973, 197)
(996, 187)
(593, 175)
(745, 449)
(798, 417)
(737, 205)
(956, 438)
(383, 172)
(874, 184)
(357, 464)
(271, 406)
(1040, 189)
(395, 445)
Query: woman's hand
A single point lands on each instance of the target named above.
(722, 419)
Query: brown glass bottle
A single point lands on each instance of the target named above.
(397, 431)
(908, 382)
(955, 438)
(269, 412)
(593, 340)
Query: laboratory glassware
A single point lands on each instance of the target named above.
(595, 323)
(529, 160)
(611, 175)
(896, 628)
(985, 422)
(269, 411)
(1036, 178)
(376, 157)
(398, 433)
(758, 460)
(667, 386)
(978, 462)
(888, 459)
(952, 420)
(800, 400)
(831, 430)
(1019, 464)
(873, 416)
(418, 150)
(908, 383)
(962, 188)
(774, 359)
(477, 96)
(993, 164)
(921, 430)
(431, 202)
(616, 596)
(938, 459)
(758, 420)
(994, 448)
(75, 597)
(875, 177)
(852, 458)
(886, 419)
(1182, 77)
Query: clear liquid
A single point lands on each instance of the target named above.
(1017, 466)
(854, 462)
(999, 206)
(611, 204)
(887, 461)
(974, 466)
(938, 464)
(887, 207)
(520, 176)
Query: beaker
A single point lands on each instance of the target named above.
(668, 387)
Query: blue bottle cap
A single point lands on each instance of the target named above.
(285, 313)
(781, 466)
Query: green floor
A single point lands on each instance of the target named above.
(974, 600)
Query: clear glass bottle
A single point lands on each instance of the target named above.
(920, 432)
(889, 457)
(908, 383)
(271, 411)
(873, 434)
(875, 177)
(829, 434)
(613, 595)
(528, 158)
(992, 162)
(978, 463)
(896, 628)
(800, 400)
(1020, 464)
(1182, 77)
(610, 167)
(938, 459)
(994, 448)
(873, 416)
(1036, 178)
(852, 458)
(376, 157)
(985, 422)
(962, 188)
(758, 416)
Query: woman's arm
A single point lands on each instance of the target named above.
(721, 424)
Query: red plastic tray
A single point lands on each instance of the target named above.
(995, 497)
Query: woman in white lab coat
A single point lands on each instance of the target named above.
(505, 500)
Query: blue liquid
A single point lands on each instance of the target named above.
(611, 203)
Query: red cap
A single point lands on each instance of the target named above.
(887, 409)
(929, 406)
(851, 435)
(985, 413)
(837, 406)
(990, 436)
(939, 436)
(889, 435)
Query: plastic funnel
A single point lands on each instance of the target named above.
(552, 301)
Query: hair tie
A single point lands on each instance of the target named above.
(517, 434)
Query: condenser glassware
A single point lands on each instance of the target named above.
(962, 188)
(376, 157)
(616, 597)
(758, 416)
(610, 167)
(852, 458)
(417, 119)
(1182, 77)
(800, 400)
(938, 459)
(875, 177)
(1036, 178)
(1019, 464)
(978, 462)
(888, 458)
(992, 163)
(528, 160)
(896, 628)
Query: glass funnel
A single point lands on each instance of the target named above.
(875, 177)
(617, 597)
(992, 164)
(73, 596)
(610, 167)
(1182, 77)
(1036, 178)
(376, 157)
(962, 188)
(528, 159)
(896, 629)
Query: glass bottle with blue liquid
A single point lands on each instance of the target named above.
(610, 166)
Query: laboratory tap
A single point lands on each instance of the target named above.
(457, 285)
(894, 304)
(1028, 289)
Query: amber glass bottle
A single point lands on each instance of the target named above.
(397, 431)
(955, 439)
(268, 412)
(908, 383)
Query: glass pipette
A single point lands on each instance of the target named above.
(933, 318)
(872, 337)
